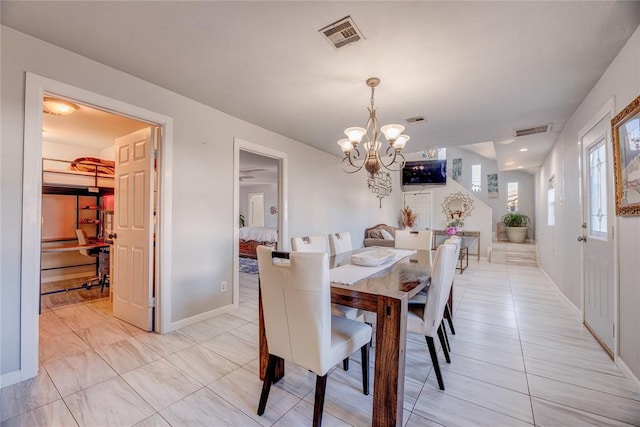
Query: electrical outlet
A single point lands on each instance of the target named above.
(223, 286)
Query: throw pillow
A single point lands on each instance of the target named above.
(386, 235)
(375, 234)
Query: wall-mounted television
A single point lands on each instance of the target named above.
(425, 172)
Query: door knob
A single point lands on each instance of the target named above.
(582, 238)
(113, 235)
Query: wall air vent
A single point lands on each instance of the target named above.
(342, 33)
(531, 131)
(416, 119)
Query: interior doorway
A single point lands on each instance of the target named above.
(36, 89)
(78, 196)
(260, 208)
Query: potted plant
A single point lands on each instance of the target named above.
(516, 225)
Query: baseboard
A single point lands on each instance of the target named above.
(576, 311)
(11, 378)
(627, 372)
(199, 317)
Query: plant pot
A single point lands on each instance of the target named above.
(516, 234)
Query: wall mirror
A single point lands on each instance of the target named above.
(457, 205)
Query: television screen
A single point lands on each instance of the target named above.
(425, 172)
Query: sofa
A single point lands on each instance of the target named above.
(374, 237)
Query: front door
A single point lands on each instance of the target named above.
(134, 229)
(597, 236)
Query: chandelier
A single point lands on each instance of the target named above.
(371, 158)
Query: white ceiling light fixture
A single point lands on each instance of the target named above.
(371, 158)
(58, 106)
(524, 149)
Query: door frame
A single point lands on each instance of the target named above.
(35, 88)
(607, 110)
(283, 210)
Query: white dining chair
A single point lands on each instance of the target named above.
(448, 311)
(408, 239)
(319, 244)
(299, 326)
(426, 319)
(340, 243)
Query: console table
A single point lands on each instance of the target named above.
(440, 236)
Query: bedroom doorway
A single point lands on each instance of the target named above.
(97, 215)
(260, 211)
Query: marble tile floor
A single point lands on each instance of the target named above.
(72, 297)
(519, 358)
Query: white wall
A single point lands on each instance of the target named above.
(526, 185)
(558, 248)
(270, 199)
(202, 216)
(479, 220)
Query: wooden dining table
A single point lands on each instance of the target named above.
(387, 294)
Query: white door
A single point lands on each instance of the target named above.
(133, 242)
(597, 237)
(256, 209)
(422, 206)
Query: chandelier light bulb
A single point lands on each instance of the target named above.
(401, 141)
(392, 132)
(355, 134)
(346, 145)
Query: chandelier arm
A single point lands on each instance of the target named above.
(394, 161)
(350, 167)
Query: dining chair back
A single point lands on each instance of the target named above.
(407, 239)
(340, 242)
(426, 319)
(316, 243)
(296, 302)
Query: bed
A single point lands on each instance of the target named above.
(252, 237)
(81, 172)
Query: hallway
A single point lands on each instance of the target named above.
(520, 357)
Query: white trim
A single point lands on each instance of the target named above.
(283, 208)
(607, 110)
(11, 378)
(36, 86)
(201, 317)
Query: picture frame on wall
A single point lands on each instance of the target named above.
(492, 186)
(625, 130)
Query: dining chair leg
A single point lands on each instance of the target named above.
(364, 352)
(447, 315)
(443, 343)
(446, 337)
(268, 380)
(345, 364)
(434, 361)
(321, 386)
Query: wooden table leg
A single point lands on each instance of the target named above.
(391, 338)
(264, 348)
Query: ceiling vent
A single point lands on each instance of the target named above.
(531, 131)
(342, 33)
(416, 119)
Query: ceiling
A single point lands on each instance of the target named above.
(88, 127)
(256, 169)
(475, 70)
